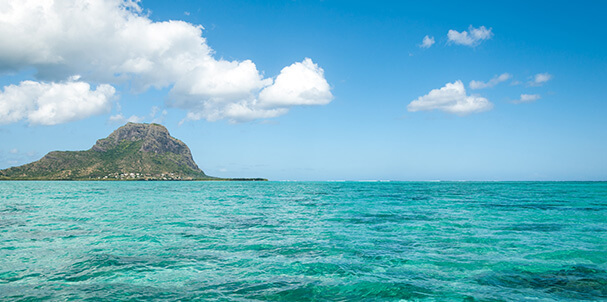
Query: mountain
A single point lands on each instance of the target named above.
(131, 152)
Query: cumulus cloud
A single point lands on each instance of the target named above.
(427, 42)
(494, 81)
(44, 103)
(527, 98)
(451, 98)
(472, 37)
(300, 84)
(539, 79)
(111, 41)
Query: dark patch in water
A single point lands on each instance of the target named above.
(588, 209)
(10, 210)
(517, 205)
(12, 276)
(577, 282)
(536, 227)
(319, 193)
(103, 292)
(364, 290)
(7, 223)
(420, 198)
(98, 266)
(377, 218)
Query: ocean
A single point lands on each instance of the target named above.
(303, 241)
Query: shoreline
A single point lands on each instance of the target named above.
(91, 179)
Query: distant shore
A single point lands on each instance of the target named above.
(95, 179)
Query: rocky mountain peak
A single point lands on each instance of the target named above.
(155, 138)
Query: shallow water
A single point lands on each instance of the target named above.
(301, 241)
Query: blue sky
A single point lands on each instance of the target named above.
(317, 90)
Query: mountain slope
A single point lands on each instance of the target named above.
(133, 151)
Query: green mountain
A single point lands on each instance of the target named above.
(131, 152)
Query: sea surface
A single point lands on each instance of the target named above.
(303, 241)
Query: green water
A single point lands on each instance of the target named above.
(303, 241)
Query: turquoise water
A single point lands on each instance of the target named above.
(301, 241)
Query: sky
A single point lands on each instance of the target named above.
(316, 90)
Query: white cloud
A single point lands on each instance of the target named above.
(300, 84)
(120, 119)
(14, 151)
(527, 98)
(451, 98)
(472, 37)
(539, 79)
(53, 103)
(427, 42)
(110, 41)
(117, 118)
(160, 119)
(494, 81)
(153, 116)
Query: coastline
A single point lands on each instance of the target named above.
(94, 179)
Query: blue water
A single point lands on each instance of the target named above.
(303, 241)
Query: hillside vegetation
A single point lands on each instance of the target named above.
(132, 152)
